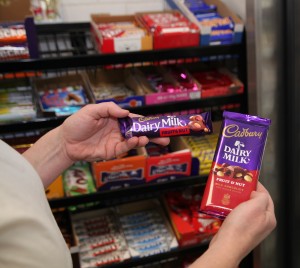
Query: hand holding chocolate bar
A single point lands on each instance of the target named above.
(99, 136)
(236, 164)
(243, 229)
(90, 134)
(249, 223)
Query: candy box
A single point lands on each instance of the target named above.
(146, 228)
(172, 92)
(170, 29)
(172, 165)
(16, 101)
(61, 96)
(115, 85)
(209, 35)
(203, 148)
(110, 37)
(216, 81)
(190, 226)
(15, 10)
(121, 172)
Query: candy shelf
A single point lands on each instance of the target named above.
(60, 61)
(67, 47)
(177, 253)
(70, 45)
(140, 192)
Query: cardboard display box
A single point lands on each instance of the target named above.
(102, 79)
(120, 173)
(15, 10)
(190, 226)
(55, 189)
(176, 164)
(120, 44)
(154, 97)
(205, 32)
(51, 85)
(203, 149)
(235, 87)
(172, 38)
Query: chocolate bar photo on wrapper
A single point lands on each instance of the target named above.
(166, 126)
(236, 164)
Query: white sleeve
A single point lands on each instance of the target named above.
(29, 235)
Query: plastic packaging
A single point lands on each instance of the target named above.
(236, 164)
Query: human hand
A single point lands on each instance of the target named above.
(246, 225)
(93, 133)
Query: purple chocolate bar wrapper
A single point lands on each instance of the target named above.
(243, 140)
(166, 126)
(236, 165)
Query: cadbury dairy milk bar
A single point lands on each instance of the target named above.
(236, 164)
(166, 126)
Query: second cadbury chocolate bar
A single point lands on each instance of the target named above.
(166, 126)
(236, 164)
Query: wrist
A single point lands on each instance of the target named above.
(48, 156)
(62, 144)
(229, 255)
(217, 256)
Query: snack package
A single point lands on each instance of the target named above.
(12, 33)
(166, 126)
(78, 179)
(235, 169)
(14, 52)
(13, 42)
(199, 7)
(63, 101)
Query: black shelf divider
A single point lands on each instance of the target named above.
(116, 58)
(51, 28)
(179, 252)
(142, 190)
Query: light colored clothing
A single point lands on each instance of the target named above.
(29, 235)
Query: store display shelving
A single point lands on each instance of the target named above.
(50, 122)
(70, 45)
(67, 47)
(139, 192)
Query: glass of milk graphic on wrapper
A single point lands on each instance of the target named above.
(235, 169)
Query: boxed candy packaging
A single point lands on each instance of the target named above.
(190, 226)
(168, 163)
(170, 29)
(62, 96)
(113, 34)
(124, 171)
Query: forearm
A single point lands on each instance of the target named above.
(217, 257)
(48, 156)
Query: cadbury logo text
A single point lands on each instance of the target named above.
(234, 131)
